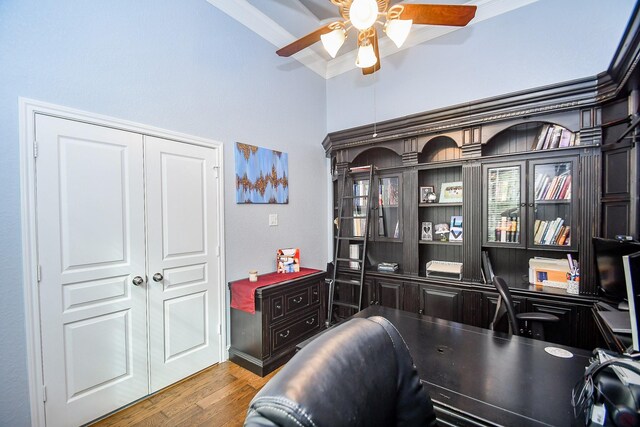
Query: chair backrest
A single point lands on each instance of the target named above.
(507, 303)
(359, 373)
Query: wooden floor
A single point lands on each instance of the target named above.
(217, 396)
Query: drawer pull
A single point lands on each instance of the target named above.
(284, 335)
(278, 306)
(297, 300)
(311, 321)
(315, 292)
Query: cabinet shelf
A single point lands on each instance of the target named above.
(437, 242)
(553, 202)
(435, 205)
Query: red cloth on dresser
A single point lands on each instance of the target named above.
(243, 292)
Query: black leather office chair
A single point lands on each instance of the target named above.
(533, 322)
(359, 373)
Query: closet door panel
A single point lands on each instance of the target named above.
(182, 241)
(90, 221)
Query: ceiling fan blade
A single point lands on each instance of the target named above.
(438, 14)
(373, 40)
(304, 42)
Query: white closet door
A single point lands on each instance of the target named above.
(182, 240)
(90, 221)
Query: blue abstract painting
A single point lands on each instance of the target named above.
(261, 175)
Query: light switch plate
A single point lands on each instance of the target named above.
(273, 219)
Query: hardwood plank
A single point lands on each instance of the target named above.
(216, 396)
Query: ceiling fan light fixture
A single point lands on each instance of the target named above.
(398, 30)
(366, 56)
(363, 13)
(333, 41)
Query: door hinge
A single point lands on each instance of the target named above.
(218, 250)
(219, 328)
(215, 171)
(35, 149)
(44, 393)
(39, 273)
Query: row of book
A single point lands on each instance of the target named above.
(556, 188)
(553, 136)
(508, 230)
(551, 232)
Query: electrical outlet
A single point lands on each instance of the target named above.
(273, 219)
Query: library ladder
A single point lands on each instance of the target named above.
(352, 235)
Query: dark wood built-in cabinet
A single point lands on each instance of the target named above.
(543, 171)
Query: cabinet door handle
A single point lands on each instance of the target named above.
(315, 292)
(278, 306)
(421, 311)
(311, 321)
(522, 205)
(530, 205)
(285, 334)
(297, 300)
(137, 281)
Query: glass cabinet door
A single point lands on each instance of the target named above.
(388, 225)
(504, 203)
(551, 190)
(359, 213)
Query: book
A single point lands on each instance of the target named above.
(565, 138)
(538, 142)
(555, 137)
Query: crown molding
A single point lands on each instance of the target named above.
(252, 18)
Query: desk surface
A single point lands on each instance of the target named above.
(480, 376)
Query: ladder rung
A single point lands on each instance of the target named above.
(349, 281)
(344, 304)
(351, 238)
(355, 197)
(353, 217)
(350, 259)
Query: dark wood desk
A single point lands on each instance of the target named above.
(479, 377)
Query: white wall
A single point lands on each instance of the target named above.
(179, 65)
(543, 43)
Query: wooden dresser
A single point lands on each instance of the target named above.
(286, 313)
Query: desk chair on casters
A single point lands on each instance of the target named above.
(533, 322)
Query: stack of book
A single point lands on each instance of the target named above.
(388, 266)
(551, 232)
(553, 136)
(556, 188)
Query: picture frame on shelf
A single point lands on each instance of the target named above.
(455, 233)
(451, 192)
(426, 233)
(442, 232)
(425, 193)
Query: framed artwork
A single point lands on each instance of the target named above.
(426, 231)
(424, 194)
(451, 192)
(442, 232)
(262, 175)
(455, 231)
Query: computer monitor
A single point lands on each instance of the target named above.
(609, 270)
(631, 265)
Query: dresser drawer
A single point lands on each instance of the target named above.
(297, 300)
(290, 333)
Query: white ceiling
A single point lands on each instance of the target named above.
(283, 21)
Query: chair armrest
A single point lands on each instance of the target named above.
(536, 316)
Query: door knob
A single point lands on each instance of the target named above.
(138, 280)
(158, 277)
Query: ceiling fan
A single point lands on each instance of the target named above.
(362, 15)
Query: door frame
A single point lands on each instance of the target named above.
(28, 108)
